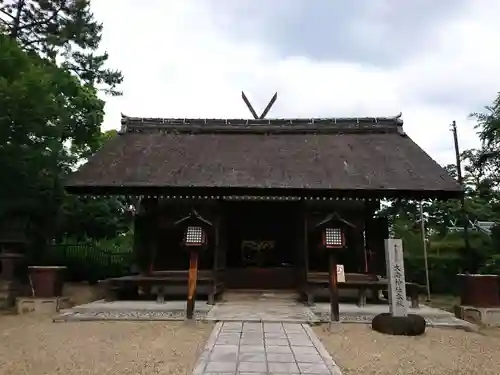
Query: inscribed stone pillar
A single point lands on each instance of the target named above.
(396, 276)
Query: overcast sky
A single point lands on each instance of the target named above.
(434, 61)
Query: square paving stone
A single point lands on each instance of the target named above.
(280, 357)
(227, 341)
(252, 357)
(251, 348)
(313, 368)
(282, 368)
(225, 348)
(290, 327)
(277, 342)
(252, 341)
(229, 334)
(252, 335)
(259, 367)
(308, 358)
(278, 349)
(223, 356)
(274, 335)
(297, 336)
(229, 329)
(252, 326)
(304, 350)
(221, 367)
(301, 342)
(273, 327)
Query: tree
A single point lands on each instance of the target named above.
(41, 107)
(94, 217)
(488, 124)
(64, 29)
(50, 112)
(66, 32)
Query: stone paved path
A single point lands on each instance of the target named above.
(250, 348)
(262, 311)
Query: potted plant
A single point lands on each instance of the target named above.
(46, 281)
(45, 277)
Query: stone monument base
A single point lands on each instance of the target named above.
(25, 305)
(488, 316)
(9, 290)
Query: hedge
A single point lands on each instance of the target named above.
(443, 270)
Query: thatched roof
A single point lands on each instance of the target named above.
(357, 156)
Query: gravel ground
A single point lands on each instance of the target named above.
(359, 350)
(34, 345)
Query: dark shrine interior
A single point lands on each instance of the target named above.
(261, 234)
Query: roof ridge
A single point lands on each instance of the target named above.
(277, 125)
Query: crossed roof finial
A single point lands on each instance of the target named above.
(266, 110)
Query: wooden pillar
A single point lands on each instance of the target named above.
(216, 258)
(145, 234)
(334, 288)
(305, 246)
(216, 245)
(193, 276)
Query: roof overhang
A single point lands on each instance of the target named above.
(216, 193)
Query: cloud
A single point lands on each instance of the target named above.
(435, 63)
(386, 32)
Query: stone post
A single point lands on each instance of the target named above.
(396, 277)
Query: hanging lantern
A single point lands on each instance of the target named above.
(333, 238)
(195, 231)
(332, 230)
(195, 236)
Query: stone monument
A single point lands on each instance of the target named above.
(397, 321)
(396, 277)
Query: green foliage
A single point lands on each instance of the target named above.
(443, 270)
(491, 266)
(50, 117)
(91, 260)
(65, 30)
(93, 217)
(41, 107)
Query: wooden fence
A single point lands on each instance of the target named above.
(90, 262)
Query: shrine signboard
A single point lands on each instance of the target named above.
(340, 273)
(396, 277)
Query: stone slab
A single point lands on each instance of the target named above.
(487, 316)
(25, 305)
(259, 311)
(286, 315)
(350, 313)
(9, 290)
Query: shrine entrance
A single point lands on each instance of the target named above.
(262, 250)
